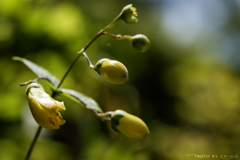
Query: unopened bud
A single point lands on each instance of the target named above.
(129, 14)
(112, 71)
(140, 42)
(128, 124)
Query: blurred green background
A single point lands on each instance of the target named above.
(186, 87)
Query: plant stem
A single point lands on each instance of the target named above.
(88, 60)
(103, 116)
(101, 31)
(33, 143)
(33, 81)
(69, 69)
(119, 37)
(81, 52)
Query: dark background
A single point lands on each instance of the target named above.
(186, 87)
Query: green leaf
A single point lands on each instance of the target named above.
(80, 98)
(39, 71)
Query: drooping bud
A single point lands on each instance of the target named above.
(128, 124)
(44, 108)
(112, 71)
(140, 42)
(129, 14)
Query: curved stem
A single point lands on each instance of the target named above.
(103, 116)
(33, 81)
(119, 37)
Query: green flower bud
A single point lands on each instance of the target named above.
(128, 124)
(129, 14)
(44, 108)
(140, 42)
(112, 71)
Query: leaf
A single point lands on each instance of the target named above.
(39, 71)
(78, 97)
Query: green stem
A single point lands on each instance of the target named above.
(69, 69)
(103, 116)
(33, 143)
(81, 52)
(119, 37)
(110, 25)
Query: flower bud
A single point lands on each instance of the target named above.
(44, 108)
(130, 125)
(129, 14)
(112, 71)
(140, 42)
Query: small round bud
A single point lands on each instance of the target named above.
(140, 42)
(129, 14)
(128, 124)
(112, 71)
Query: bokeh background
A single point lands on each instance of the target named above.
(186, 87)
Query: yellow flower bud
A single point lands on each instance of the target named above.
(129, 14)
(128, 124)
(140, 42)
(112, 71)
(44, 108)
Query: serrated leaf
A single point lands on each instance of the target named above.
(39, 71)
(78, 97)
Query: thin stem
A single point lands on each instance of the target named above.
(88, 60)
(119, 37)
(103, 116)
(69, 69)
(33, 81)
(110, 25)
(33, 143)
